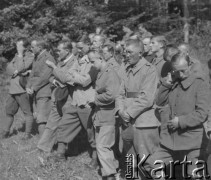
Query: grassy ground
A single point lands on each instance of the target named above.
(20, 160)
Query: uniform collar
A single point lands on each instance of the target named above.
(41, 54)
(188, 81)
(157, 59)
(63, 63)
(136, 67)
(103, 71)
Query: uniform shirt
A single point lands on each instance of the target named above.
(141, 78)
(82, 94)
(21, 64)
(149, 58)
(40, 75)
(189, 101)
(159, 62)
(61, 72)
(114, 64)
(107, 88)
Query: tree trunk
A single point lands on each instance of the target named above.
(186, 25)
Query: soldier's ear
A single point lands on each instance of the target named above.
(140, 54)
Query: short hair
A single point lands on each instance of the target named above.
(101, 37)
(180, 55)
(24, 40)
(170, 51)
(136, 42)
(161, 39)
(186, 47)
(66, 44)
(41, 43)
(110, 48)
(146, 37)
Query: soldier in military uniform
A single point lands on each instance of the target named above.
(107, 87)
(38, 84)
(18, 97)
(134, 104)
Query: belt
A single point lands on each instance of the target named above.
(90, 105)
(132, 94)
(84, 106)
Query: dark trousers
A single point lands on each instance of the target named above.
(142, 141)
(73, 120)
(13, 103)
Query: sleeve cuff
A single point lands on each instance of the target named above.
(182, 125)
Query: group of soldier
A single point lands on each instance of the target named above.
(135, 96)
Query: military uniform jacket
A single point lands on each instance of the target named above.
(40, 75)
(107, 88)
(141, 80)
(189, 101)
(21, 65)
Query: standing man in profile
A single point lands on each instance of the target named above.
(148, 55)
(38, 84)
(107, 87)
(59, 94)
(17, 94)
(158, 45)
(134, 103)
(108, 54)
(78, 111)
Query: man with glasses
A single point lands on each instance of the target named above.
(186, 93)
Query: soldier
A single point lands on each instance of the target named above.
(18, 97)
(98, 41)
(197, 65)
(169, 52)
(107, 87)
(77, 111)
(158, 45)
(134, 103)
(108, 54)
(148, 55)
(142, 32)
(38, 84)
(59, 95)
(186, 94)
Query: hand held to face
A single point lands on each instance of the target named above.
(50, 64)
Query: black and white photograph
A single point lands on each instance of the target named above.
(105, 89)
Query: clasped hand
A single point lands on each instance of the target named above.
(173, 124)
(125, 117)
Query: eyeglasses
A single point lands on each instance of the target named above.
(179, 71)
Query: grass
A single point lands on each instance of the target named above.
(20, 160)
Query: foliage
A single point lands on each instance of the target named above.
(55, 19)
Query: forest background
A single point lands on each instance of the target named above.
(54, 19)
(178, 20)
